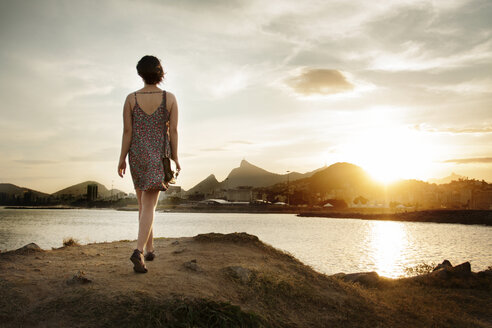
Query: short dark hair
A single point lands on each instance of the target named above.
(150, 69)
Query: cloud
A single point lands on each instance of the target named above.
(418, 57)
(214, 149)
(34, 161)
(319, 81)
(454, 130)
(225, 146)
(243, 142)
(472, 87)
(469, 160)
(420, 36)
(108, 154)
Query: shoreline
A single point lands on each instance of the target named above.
(234, 278)
(468, 217)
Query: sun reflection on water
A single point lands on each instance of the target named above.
(387, 240)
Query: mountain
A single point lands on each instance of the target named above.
(11, 190)
(448, 179)
(340, 180)
(206, 186)
(81, 189)
(247, 174)
(340, 175)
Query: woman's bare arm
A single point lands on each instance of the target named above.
(173, 131)
(127, 136)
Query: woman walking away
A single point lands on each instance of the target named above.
(149, 135)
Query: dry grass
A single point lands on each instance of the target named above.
(87, 308)
(69, 241)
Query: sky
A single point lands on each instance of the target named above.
(401, 88)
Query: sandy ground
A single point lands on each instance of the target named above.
(283, 290)
(108, 266)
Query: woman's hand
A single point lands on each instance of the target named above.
(121, 167)
(178, 167)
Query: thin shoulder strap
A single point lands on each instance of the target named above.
(164, 98)
(135, 94)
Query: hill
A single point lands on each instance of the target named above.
(206, 186)
(452, 177)
(13, 190)
(341, 175)
(340, 182)
(224, 280)
(81, 189)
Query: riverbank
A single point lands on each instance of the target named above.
(229, 280)
(55, 207)
(482, 217)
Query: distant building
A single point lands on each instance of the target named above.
(481, 199)
(214, 201)
(91, 192)
(131, 196)
(172, 191)
(29, 197)
(240, 194)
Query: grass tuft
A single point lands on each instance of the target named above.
(420, 269)
(67, 242)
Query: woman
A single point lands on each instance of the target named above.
(149, 134)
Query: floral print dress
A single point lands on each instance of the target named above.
(150, 144)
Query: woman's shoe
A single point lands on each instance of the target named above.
(138, 262)
(149, 256)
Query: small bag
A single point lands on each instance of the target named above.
(169, 176)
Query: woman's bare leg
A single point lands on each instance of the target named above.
(149, 202)
(150, 242)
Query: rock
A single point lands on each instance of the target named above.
(79, 278)
(28, 249)
(442, 273)
(192, 265)
(238, 272)
(177, 251)
(445, 264)
(462, 270)
(445, 270)
(236, 237)
(485, 273)
(364, 278)
(339, 275)
(176, 242)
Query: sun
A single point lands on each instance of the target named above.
(385, 174)
(394, 153)
(389, 151)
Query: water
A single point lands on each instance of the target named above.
(328, 245)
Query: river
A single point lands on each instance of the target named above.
(328, 245)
